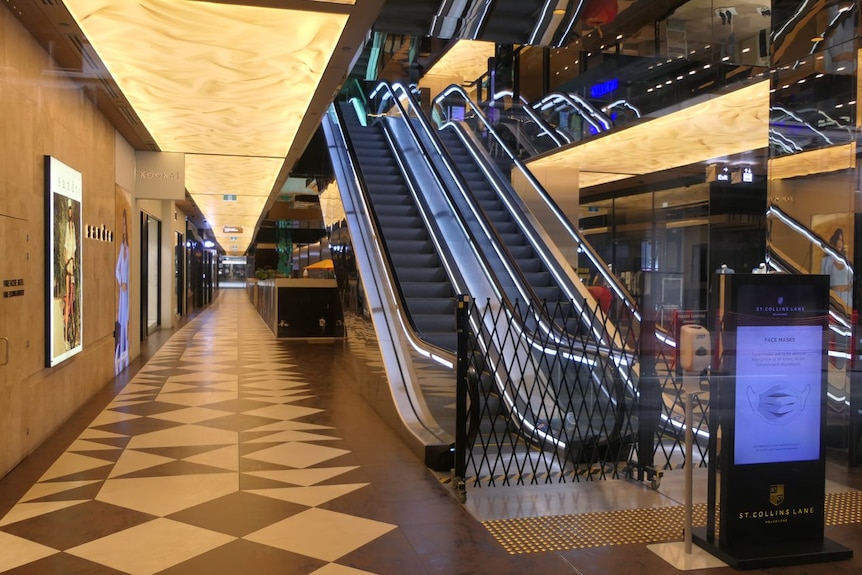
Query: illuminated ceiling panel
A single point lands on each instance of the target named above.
(227, 85)
(467, 59)
(722, 126)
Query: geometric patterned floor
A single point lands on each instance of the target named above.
(230, 452)
(208, 455)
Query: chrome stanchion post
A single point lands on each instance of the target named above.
(689, 472)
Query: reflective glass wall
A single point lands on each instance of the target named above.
(814, 182)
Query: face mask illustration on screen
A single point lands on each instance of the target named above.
(778, 404)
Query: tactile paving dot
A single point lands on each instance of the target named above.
(629, 526)
(844, 508)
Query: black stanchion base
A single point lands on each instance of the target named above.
(774, 555)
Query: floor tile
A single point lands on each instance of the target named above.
(310, 496)
(184, 435)
(190, 414)
(292, 435)
(65, 564)
(224, 458)
(24, 511)
(297, 454)
(304, 477)
(321, 534)
(40, 490)
(91, 520)
(165, 495)
(197, 398)
(131, 550)
(336, 569)
(239, 513)
(18, 551)
(241, 557)
(72, 463)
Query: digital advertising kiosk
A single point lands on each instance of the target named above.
(767, 481)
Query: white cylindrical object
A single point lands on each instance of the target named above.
(689, 472)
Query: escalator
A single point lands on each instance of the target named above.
(593, 383)
(475, 147)
(539, 283)
(431, 227)
(421, 278)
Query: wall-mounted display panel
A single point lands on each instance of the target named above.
(63, 217)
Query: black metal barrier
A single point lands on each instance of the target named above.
(560, 394)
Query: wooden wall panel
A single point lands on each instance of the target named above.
(45, 113)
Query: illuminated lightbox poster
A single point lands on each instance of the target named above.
(63, 190)
(778, 382)
(122, 271)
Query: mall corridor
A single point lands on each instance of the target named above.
(226, 451)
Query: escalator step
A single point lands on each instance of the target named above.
(413, 275)
(408, 235)
(427, 289)
(413, 260)
(438, 323)
(433, 306)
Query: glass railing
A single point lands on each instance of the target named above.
(574, 247)
(527, 131)
(575, 117)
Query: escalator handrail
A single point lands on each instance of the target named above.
(582, 244)
(558, 137)
(596, 119)
(431, 351)
(775, 212)
(623, 104)
(842, 323)
(422, 415)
